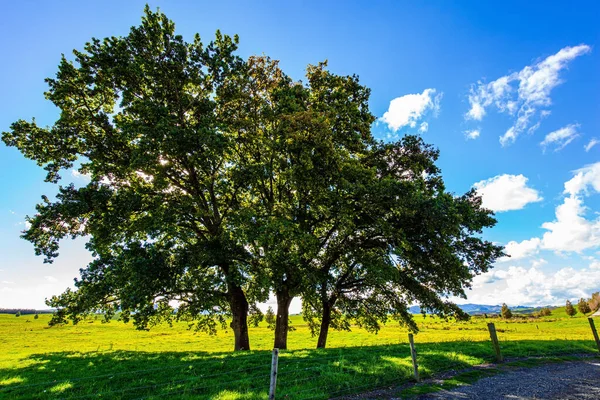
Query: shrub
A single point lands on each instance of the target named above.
(583, 306)
(506, 313)
(18, 314)
(545, 312)
(569, 309)
(36, 316)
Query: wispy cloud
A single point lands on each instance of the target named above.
(591, 144)
(525, 94)
(560, 138)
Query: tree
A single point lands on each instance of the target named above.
(145, 118)
(505, 312)
(569, 309)
(583, 306)
(594, 301)
(270, 317)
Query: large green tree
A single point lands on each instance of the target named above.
(214, 181)
(145, 116)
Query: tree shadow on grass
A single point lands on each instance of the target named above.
(302, 374)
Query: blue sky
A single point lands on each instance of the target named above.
(507, 91)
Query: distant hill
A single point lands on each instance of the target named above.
(478, 309)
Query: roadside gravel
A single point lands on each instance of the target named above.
(566, 381)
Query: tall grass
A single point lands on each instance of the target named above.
(116, 361)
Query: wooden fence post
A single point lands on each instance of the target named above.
(495, 343)
(413, 354)
(274, 363)
(594, 332)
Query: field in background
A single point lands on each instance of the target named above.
(116, 361)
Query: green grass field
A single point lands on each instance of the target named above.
(115, 361)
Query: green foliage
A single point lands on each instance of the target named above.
(505, 312)
(18, 314)
(36, 316)
(583, 306)
(569, 309)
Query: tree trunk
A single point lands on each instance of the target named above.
(239, 322)
(325, 322)
(282, 322)
(328, 304)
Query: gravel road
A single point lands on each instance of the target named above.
(565, 381)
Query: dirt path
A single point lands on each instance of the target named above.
(567, 380)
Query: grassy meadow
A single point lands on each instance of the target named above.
(115, 361)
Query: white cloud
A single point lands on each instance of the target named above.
(506, 192)
(519, 285)
(571, 231)
(591, 144)
(518, 250)
(584, 178)
(409, 109)
(8, 282)
(522, 94)
(561, 138)
(51, 279)
(472, 134)
(424, 127)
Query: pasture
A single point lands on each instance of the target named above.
(97, 360)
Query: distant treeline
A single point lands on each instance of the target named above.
(24, 311)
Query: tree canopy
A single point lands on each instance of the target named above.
(215, 181)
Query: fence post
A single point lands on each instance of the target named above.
(594, 332)
(274, 363)
(413, 354)
(494, 337)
